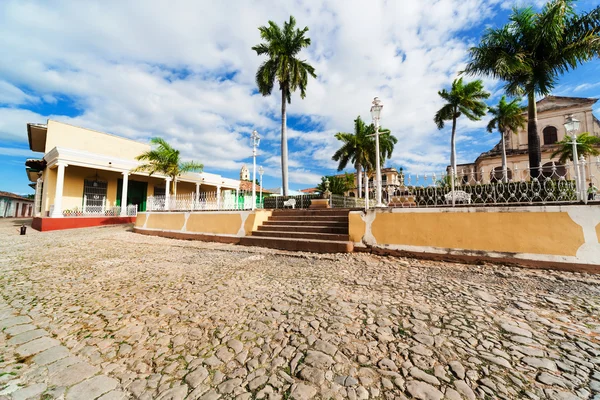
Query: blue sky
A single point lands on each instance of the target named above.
(185, 71)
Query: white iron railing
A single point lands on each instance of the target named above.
(100, 211)
(209, 201)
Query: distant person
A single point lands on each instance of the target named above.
(592, 190)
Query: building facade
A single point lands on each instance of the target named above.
(89, 173)
(15, 206)
(391, 182)
(552, 114)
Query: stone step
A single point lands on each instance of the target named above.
(310, 245)
(312, 228)
(339, 218)
(309, 212)
(303, 235)
(289, 222)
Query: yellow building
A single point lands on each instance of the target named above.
(552, 114)
(88, 173)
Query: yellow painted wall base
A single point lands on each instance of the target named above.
(569, 234)
(219, 223)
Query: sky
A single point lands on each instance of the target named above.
(184, 71)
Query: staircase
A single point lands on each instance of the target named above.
(316, 231)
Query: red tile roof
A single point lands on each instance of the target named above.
(14, 196)
(247, 186)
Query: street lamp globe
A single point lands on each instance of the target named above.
(376, 108)
(255, 137)
(571, 124)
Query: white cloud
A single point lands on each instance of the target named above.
(14, 152)
(148, 68)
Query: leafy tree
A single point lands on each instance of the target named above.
(508, 117)
(587, 145)
(281, 46)
(165, 160)
(358, 148)
(463, 99)
(337, 184)
(533, 50)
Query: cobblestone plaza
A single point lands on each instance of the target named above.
(106, 313)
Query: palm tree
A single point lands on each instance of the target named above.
(508, 117)
(281, 47)
(386, 143)
(337, 184)
(353, 145)
(463, 99)
(587, 145)
(533, 50)
(165, 160)
(359, 148)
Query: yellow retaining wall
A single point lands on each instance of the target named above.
(553, 234)
(217, 223)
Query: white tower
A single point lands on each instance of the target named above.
(244, 173)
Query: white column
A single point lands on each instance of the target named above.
(196, 200)
(237, 198)
(167, 188)
(124, 194)
(58, 194)
(38, 198)
(218, 197)
(260, 201)
(366, 190)
(254, 179)
(378, 170)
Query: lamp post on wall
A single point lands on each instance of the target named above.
(255, 142)
(572, 126)
(375, 113)
(261, 171)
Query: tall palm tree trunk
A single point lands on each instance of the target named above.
(359, 179)
(284, 147)
(533, 139)
(504, 170)
(453, 157)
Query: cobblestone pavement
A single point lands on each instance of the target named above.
(105, 312)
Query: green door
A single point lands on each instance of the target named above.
(136, 193)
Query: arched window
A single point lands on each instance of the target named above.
(550, 135)
(553, 172)
(496, 174)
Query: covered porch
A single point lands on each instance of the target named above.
(97, 190)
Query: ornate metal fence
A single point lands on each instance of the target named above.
(302, 201)
(337, 201)
(550, 184)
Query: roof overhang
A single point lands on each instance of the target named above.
(36, 133)
(32, 174)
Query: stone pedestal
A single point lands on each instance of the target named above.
(319, 203)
